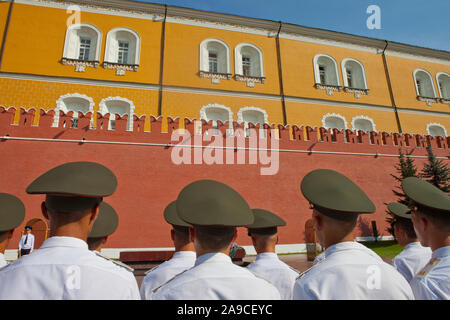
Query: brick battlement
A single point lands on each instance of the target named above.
(31, 124)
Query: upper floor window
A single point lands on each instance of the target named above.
(424, 86)
(443, 80)
(76, 103)
(117, 106)
(326, 73)
(122, 50)
(354, 77)
(82, 46)
(249, 65)
(436, 129)
(215, 60)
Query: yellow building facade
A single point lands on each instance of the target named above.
(147, 59)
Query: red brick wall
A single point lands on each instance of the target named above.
(148, 179)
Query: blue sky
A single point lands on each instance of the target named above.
(423, 23)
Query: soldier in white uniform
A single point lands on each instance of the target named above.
(12, 213)
(413, 257)
(215, 210)
(63, 267)
(431, 218)
(182, 260)
(264, 234)
(349, 270)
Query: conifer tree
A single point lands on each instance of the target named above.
(436, 172)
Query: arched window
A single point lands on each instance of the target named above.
(82, 46)
(252, 115)
(122, 50)
(363, 123)
(249, 64)
(354, 77)
(119, 106)
(436, 129)
(73, 102)
(214, 60)
(424, 86)
(326, 73)
(334, 121)
(443, 81)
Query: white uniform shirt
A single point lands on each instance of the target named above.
(268, 266)
(216, 277)
(64, 268)
(433, 282)
(412, 259)
(350, 270)
(180, 261)
(2, 260)
(29, 244)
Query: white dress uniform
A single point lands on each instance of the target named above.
(2, 260)
(433, 282)
(64, 268)
(27, 242)
(180, 261)
(350, 270)
(412, 259)
(216, 277)
(268, 266)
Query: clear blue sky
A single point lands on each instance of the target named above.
(424, 23)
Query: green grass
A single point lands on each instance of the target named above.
(385, 249)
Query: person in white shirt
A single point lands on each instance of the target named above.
(430, 214)
(349, 271)
(26, 244)
(12, 213)
(215, 210)
(413, 257)
(182, 260)
(64, 268)
(264, 234)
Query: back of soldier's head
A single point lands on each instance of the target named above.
(214, 238)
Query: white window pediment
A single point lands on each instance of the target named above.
(249, 64)
(326, 73)
(82, 46)
(334, 121)
(253, 115)
(436, 129)
(74, 102)
(119, 106)
(424, 86)
(215, 60)
(443, 81)
(363, 123)
(354, 77)
(122, 50)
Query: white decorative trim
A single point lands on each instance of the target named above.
(60, 105)
(364, 118)
(202, 64)
(356, 91)
(81, 65)
(317, 73)
(428, 100)
(443, 100)
(103, 109)
(240, 117)
(436, 125)
(218, 106)
(122, 67)
(238, 65)
(336, 115)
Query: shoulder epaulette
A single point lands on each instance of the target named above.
(150, 270)
(430, 266)
(309, 269)
(159, 287)
(119, 263)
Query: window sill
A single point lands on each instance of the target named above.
(80, 65)
(428, 100)
(249, 80)
(328, 88)
(215, 76)
(445, 101)
(120, 68)
(357, 91)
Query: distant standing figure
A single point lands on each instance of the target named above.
(413, 257)
(26, 244)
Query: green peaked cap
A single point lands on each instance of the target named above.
(399, 209)
(265, 219)
(212, 203)
(171, 216)
(333, 191)
(12, 212)
(426, 194)
(106, 222)
(84, 179)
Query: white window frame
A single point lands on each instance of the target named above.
(61, 106)
(238, 59)
(336, 115)
(436, 125)
(66, 53)
(204, 65)
(240, 116)
(134, 60)
(354, 119)
(317, 73)
(344, 73)
(439, 88)
(103, 109)
(431, 81)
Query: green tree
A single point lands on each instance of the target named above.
(436, 172)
